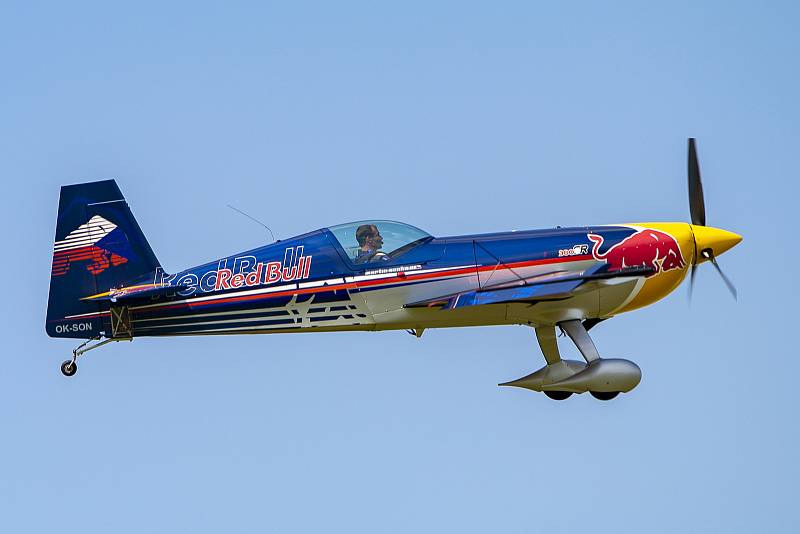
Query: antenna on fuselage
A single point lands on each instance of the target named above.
(254, 220)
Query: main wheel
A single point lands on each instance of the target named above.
(69, 368)
(604, 395)
(558, 395)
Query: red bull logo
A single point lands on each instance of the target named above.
(85, 243)
(645, 248)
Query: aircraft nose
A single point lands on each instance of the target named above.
(716, 239)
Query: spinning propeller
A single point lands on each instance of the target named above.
(709, 242)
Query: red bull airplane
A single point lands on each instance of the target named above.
(107, 285)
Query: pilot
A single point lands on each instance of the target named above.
(370, 242)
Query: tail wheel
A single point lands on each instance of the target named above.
(69, 368)
(558, 395)
(604, 395)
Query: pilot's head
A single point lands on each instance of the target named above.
(368, 237)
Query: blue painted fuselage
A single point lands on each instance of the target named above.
(309, 283)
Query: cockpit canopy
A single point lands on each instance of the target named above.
(377, 241)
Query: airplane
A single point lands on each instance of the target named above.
(107, 286)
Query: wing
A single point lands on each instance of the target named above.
(530, 290)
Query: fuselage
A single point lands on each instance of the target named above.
(311, 282)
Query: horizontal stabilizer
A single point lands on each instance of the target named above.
(134, 293)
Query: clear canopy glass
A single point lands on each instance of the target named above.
(377, 241)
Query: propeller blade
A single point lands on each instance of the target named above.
(697, 205)
(710, 256)
(692, 273)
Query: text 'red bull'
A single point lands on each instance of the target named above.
(294, 266)
(645, 248)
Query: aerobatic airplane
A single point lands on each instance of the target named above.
(107, 285)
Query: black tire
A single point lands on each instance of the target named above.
(69, 368)
(604, 395)
(558, 395)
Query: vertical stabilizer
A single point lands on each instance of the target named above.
(98, 245)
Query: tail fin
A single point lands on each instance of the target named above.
(98, 246)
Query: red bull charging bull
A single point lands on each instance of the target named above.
(645, 248)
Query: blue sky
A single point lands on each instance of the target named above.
(457, 117)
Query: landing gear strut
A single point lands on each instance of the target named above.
(604, 378)
(70, 367)
(579, 335)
